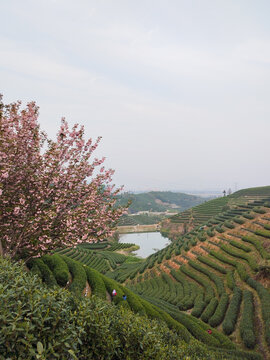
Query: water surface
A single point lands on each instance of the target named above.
(149, 242)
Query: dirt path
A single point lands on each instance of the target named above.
(87, 290)
(108, 296)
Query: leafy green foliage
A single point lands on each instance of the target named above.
(78, 275)
(232, 312)
(230, 280)
(219, 314)
(255, 242)
(58, 267)
(247, 321)
(264, 296)
(41, 269)
(209, 310)
(44, 323)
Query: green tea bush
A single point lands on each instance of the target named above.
(113, 285)
(264, 296)
(220, 229)
(238, 221)
(238, 254)
(42, 269)
(232, 312)
(242, 272)
(47, 324)
(229, 225)
(216, 279)
(264, 233)
(96, 282)
(134, 301)
(78, 276)
(230, 280)
(223, 258)
(259, 211)
(224, 341)
(237, 354)
(247, 321)
(58, 267)
(239, 245)
(197, 331)
(199, 305)
(219, 314)
(209, 310)
(209, 291)
(212, 264)
(257, 244)
(187, 301)
(249, 216)
(210, 233)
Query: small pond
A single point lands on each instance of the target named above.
(149, 242)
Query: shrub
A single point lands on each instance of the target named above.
(206, 284)
(44, 323)
(209, 310)
(229, 225)
(42, 269)
(232, 312)
(78, 276)
(255, 242)
(259, 211)
(219, 314)
(220, 229)
(210, 233)
(264, 296)
(238, 221)
(230, 280)
(238, 254)
(96, 282)
(242, 272)
(238, 245)
(216, 279)
(247, 321)
(58, 267)
(264, 233)
(199, 305)
(249, 216)
(212, 264)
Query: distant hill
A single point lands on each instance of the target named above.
(160, 201)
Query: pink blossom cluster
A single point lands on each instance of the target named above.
(52, 193)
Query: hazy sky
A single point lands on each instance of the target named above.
(179, 90)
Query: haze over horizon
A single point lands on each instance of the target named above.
(178, 90)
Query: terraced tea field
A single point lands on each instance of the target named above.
(219, 274)
(198, 215)
(211, 284)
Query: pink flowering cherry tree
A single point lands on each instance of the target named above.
(52, 193)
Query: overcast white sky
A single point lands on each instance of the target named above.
(179, 90)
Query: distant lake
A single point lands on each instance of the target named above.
(149, 242)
